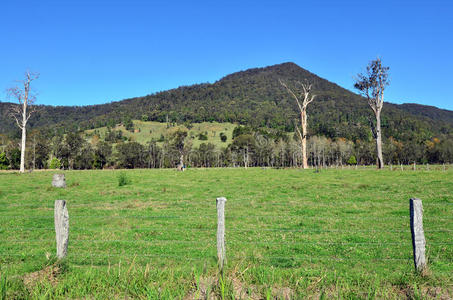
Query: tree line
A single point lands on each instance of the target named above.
(250, 147)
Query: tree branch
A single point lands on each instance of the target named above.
(298, 131)
(292, 93)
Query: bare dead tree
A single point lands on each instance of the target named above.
(22, 111)
(371, 85)
(303, 97)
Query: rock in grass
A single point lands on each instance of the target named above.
(59, 181)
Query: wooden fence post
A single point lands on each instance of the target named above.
(418, 235)
(61, 228)
(221, 251)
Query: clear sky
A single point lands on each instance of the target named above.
(91, 52)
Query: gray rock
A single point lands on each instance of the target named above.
(58, 181)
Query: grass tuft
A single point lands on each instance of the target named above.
(123, 179)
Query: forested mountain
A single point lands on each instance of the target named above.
(339, 128)
(253, 97)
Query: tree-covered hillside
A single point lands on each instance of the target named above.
(253, 97)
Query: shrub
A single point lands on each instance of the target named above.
(4, 162)
(352, 160)
(202, 136)
(123, 180)
(55, 163)
(128, 124)
(223, 137)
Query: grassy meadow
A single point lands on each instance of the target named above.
(290, 234)
(146, 131)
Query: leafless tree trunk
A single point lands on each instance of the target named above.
(34, 152)
(379, 138)
(23, 110)
(371, 85)
(245, 154)
(303, 99)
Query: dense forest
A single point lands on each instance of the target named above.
(339, 127)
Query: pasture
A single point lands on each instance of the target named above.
(290, 234)
(147, 131)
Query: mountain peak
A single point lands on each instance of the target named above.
(283, 70)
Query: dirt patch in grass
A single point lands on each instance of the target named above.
(437, 293)
(428, 292)
(283, 293)
(49, 274)
(242, 291)
(203, 288)
(208, 288)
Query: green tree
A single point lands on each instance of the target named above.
(177, 141)
(128, 124)
(371, 85)
(101, 154)
(72, 147)
(130, 155)
(244, 146)
(4, 162)
(13, 154)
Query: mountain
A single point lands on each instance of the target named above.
(256, 98)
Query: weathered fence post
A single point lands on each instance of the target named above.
(415, 168)
(221, 251)
(61, 228)
(401, 167)
(58, 180)
(418, 235)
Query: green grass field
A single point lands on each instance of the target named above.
(290, 234)
(146, 131)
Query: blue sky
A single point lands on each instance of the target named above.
(91, 52)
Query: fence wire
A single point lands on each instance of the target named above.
(231, 217)
(237, 242)
(236, 257)
(209, 245)
(283, 230)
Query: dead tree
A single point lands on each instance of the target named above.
(371, 85)
(303, 97)
(177, 141)
(22, 111)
